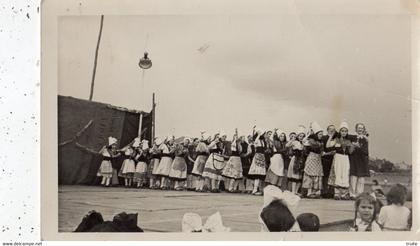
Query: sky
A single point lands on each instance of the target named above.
(273, 71)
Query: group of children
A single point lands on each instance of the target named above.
(279, 214)
(306, 162)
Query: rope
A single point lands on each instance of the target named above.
(86, 148)
(78, 134)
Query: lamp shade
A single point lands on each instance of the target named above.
(145, 62)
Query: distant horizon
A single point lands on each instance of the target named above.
(218, 73)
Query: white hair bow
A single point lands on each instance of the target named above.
(191, 222)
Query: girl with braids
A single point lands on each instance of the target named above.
(275, 173)
(340, 170)
(366, 210)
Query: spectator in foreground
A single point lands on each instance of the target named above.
(366, 210)
(122, 222)
(278, 211)
(395, 216)
(308, 222)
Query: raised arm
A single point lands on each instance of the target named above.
(89, 150)
(128, 145)
(330, 142)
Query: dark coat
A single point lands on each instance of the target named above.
(326, 159)
(359, 159)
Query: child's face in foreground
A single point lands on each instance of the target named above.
(365, 210)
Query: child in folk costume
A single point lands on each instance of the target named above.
(154, 163)
(268, 153)
(359, 161)
(191, 183)
(312, 173)
(340, 170)
(109, 153)
(215, 163)
(275, 173)
(128, 167)
(171, 145)
(225, 151)
(289, 146)
(297, 162)
(366, 211)
(327, 160)
(165, 163)
(233, 168)
(202, 153)
(247, 153)
(140, 175)
(178, 171)
(257, 171)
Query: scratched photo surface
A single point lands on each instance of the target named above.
(216, 98)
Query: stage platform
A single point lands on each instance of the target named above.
(162, 211)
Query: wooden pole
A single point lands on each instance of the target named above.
(153, 117)
(96, 59)
(140, 125)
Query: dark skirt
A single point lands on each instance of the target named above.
(326, 165)
(359, 165)
(246, 164)
(274, 179)
(190, 166)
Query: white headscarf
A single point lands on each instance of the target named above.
(144, 144)
(136, 142)
(158, 141)
(112, 140)
(344, 125)
(205, 136)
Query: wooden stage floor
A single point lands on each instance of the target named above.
(162, 211)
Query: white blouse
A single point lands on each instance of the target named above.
(393, 217)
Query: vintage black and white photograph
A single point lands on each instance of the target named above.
(292, 122)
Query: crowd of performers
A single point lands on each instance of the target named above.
(309, 161)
